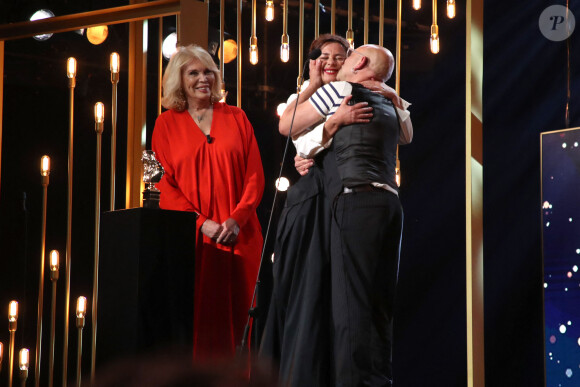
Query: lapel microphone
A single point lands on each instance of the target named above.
(209, 139)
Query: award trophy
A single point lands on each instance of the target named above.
(152, 173)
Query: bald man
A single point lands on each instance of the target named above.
(359, 168)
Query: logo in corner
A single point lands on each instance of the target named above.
(557, 23)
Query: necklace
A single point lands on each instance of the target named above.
(200, 117)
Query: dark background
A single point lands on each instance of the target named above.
(524, 94)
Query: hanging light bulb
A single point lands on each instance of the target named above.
(42, 14)
(450, 9)
(416, 5)
(253, 38)
(280, 109)
(285, 49)
(269, 10)
(253, 50)
(350, 38)
(282, 184)
(434, 40)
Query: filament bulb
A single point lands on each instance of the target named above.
(350, 38)
(434, 40)
(253, 50)
(269, 10)
(450, 9)
(416, 5)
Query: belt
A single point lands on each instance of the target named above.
(362, 188)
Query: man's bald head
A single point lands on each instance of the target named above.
(368, 62)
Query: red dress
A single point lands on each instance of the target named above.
(218, 180)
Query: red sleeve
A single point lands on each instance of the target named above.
(171, 196)
(254, 177)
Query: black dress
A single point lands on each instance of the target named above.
(298, 329)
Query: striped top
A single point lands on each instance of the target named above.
(328, 98)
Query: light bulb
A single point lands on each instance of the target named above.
(284, 53)
(23, 359)
(115, 63)
(253, 50)
(434, 40)
(13, 311)
(282, 184)
(285, 48)
(99, 113)
(269, 10)
(280, 109)
(169, 46)
(417, 4)
(45, 166)
(450, 9)
(42, 14)
(224, 95)
(54, 260)
(71, 67)
(97, 34)
(1, 353)
(398, 176)
(350, 38)
(81, 306)
(254, 55)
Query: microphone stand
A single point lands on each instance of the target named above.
(253, 311)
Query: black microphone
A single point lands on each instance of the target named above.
(209, 139)
(314, 54)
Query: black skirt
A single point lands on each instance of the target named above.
(297, 335)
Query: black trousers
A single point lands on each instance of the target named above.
(365, 245)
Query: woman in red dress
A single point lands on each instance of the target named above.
(212, 167)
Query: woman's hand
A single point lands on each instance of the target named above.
(302, 165)
(315, 73)
(229, 233)
(211, 229)
(385, 91)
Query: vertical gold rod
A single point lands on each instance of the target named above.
(366, 23)
(99, 130)
(222, 35)
(68, 233)
(160, 66)
(434, 12)
(11, 358)
(398, 69)
(350, 14)
(113, 140)
(349, 31)
(333, 17)
(41, 283)
(1, 101)
(52, 331)
(253, 17)
(474, 254)
(300, 39)
(316, 18)
(239, 34)
(382, 21)
(285, 18)
(79, 355)
(398, 47)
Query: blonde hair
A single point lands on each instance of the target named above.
(173, 95)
